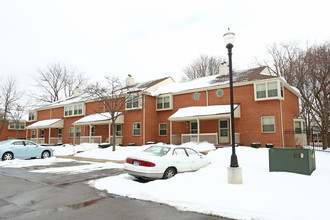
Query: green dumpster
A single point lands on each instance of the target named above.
(292, 160)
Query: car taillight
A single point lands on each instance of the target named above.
(140, 162)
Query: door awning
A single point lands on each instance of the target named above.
(49, 123)
(205, 113)
(99, 118)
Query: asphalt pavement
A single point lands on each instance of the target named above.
(29, 195)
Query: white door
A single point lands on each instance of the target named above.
(224, 131)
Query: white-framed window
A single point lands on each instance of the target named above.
(299, 126)
(219, 92)
(136, 129)
(268, 124)
(13, 125)
(163, 129)
(269, 90)
(118, 130)
(196, 95)
(73, 110)
(33, 134)
(71, 132)
(164, 102)
(133, 102)
(32, 116)
(78, 132)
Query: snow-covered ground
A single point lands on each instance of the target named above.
(263, 194)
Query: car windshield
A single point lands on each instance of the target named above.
(157, 150)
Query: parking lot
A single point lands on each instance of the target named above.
(30, 195)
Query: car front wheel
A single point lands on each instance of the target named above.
(169, 172)
(7, 156)
(45, 154)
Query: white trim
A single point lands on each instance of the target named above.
(162, 130)
(163, 96)
(262, 129)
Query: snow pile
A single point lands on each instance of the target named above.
(68, 149)
(263, 194)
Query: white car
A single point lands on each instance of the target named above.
(164, 161)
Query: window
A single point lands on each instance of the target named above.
(29, 143)
(164, 102)
(192, 153)
(42, 133)
(132, 102)
(197, 96)
(14, 125)
(78, 131)
(60, 132)
(136, 129)
(163, 129)
(268, 124)
(33, 134)
(219, 92)
(261, 90)
(32, 116)
(76, 109)
(71, 132)
(180, 152)
(272, 89)
(269, 90)
(118, 130)
(299, 126)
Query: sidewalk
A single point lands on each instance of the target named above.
(91, 159)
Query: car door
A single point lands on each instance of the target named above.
(32, 149)
(18, 149)
(181, 160)
(194, 159)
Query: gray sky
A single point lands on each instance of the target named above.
(148, 39)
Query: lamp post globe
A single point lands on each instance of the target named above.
(229, 39)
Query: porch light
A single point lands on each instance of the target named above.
(229, 37)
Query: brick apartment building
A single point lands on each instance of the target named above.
(266, 111)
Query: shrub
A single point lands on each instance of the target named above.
(255, 145)
(269, 145)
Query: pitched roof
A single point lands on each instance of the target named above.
(258, 73)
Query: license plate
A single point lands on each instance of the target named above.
(136, 163)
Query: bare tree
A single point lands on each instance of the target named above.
(308, 70)
(8, 97)
(114, 96)
(57, 81)
(16, 114)
(203, 66)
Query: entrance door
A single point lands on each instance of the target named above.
(193, 130)
(224, 131)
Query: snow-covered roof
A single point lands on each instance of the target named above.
(97, 118)
(49, 123)
(202, 112)
(258, 73)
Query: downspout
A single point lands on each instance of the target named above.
(144, 120)
(282, 132)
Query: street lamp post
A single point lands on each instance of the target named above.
(234, 175)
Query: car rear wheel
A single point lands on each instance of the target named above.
(169, 172)
(7, 156)
(45, 154)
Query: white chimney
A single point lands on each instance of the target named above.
(76, 92)
(129, 80)
(223, 69)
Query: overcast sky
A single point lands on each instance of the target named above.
(148, 39)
